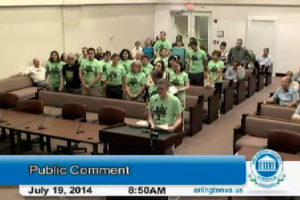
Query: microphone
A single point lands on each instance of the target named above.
(41, 126)
(79, 126)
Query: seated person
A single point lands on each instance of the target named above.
(135, 82)
(36, 72)
(296, 115)
(286, 95)
(294, 84)
(70, 81)
(265, 60)
(164, 109)
(235, 72)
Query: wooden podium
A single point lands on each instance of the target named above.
(129, 140)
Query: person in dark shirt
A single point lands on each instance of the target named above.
(70, 81)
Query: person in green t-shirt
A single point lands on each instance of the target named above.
(126, 60)
(162, 43)
(155, 77)
(164, 109)
(115, 78)
(180, 80)
(104, 64)
(215, 71)
(159, 66)
(53, 71)
(135, 82)
(90, 73)
(196, 60)
(85, 55)
(163, 56)
(147, 68)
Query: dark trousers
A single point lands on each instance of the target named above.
(114, 92)
(196, 78)
(73, 90)
(218, 89)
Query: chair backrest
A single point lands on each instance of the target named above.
(73, 111)
(31, 106)
(284, 141)
(8, 100)
(11, 84)
(110, 115)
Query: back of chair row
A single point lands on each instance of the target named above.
(274, 111)
(133, 109)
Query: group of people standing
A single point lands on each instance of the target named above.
(158, 73)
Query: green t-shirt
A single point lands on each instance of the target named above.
(162, 44)
(147, 69)
(115, 74)
(165, 110)
(104, 65)
(197, 59)
(152, 90)
(82, 60)
(165, 60)
(126, 64)
(214, 70)
(54, 71)
(136, 81)
(179, 81)
(91, 69)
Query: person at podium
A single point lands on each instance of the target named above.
(165, 111)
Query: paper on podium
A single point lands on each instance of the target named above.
(141, 123)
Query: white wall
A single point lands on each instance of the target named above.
(27, 32)
(33, 31)
(233, 20)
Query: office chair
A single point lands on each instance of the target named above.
(73, 111)
(110, 115)
(8, 100)
(284, 141)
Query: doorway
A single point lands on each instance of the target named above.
(261, 33)
(194, 24)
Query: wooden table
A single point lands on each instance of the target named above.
(129, 140)
(249, 152)
(72, 131)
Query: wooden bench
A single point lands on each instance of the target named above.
(211, 105)
(133, 109)
(253, 130)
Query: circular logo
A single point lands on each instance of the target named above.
(266, 168)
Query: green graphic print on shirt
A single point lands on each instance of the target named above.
(136, 81)
(115, 74)
(165, 110)
(214, 70)
(54, 71)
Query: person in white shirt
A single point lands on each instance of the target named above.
(294, 84)
(265, 60)
(36, 72)
(136, 50)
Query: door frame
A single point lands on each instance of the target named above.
(275, 21)
(191, 24)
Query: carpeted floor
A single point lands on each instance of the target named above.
(214, 139)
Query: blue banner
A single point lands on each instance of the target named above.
(122, 170)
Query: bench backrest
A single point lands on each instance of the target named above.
(11, 84)
(200, 91)
(133, 109)
(275, 111)
(259, 126)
